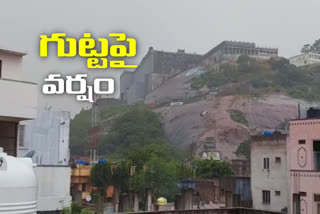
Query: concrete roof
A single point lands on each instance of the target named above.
(12, 52)
(274, 137)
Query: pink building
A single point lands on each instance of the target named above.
(304, 166)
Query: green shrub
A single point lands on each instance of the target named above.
(213, 169)
(264, 76)
(239, 117)
(87, 211)
(75, 208)
(139, 127)
(244, 150)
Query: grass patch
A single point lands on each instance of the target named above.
(239, 117)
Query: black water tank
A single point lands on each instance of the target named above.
(313, 113)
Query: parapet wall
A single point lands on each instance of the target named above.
(214, 211)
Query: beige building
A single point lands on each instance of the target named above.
(269, 176)
(304, 164)
(18, 110)
(18, 99)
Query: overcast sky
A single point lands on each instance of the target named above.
(193, 25)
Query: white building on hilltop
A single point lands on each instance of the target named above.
(305, 59)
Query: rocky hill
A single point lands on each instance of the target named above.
(212, 117)
(195, 108)
(204, 110)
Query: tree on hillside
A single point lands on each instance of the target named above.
(156, 168)
(278, 63)
(158, 174)
(314, 48)
(106, 174)
(79, 133)
(138, 127)
(120, 176)
(116, 174)
(139, 156)
(80, 125)
(244, 150)
(101, 177)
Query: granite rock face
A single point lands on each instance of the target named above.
(189, 125)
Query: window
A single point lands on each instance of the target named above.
(84, 187)
(302, 141)
(278, 193)
(21, 135)
(303, 194)
(296, 203)
(0, 67)
(266, 163)
(8, 137)
(265, 196)
(316, 155)
(278, 160)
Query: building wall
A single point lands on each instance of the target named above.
(18, 98)
(158, 79)
(208, 189)
(11, 66)
(48, 137)
(139, 85)
(173, 63)
(304, 178)
(241, 167)
(235, 192)
(155, 68)
(126, 80)
(18, 102)
(301, 155)
(53, 187)
(274, 179)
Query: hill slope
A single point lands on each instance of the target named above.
(225, 106)
(233, 103)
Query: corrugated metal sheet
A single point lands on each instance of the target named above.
(48, 137)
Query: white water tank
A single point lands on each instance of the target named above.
(18, 185)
